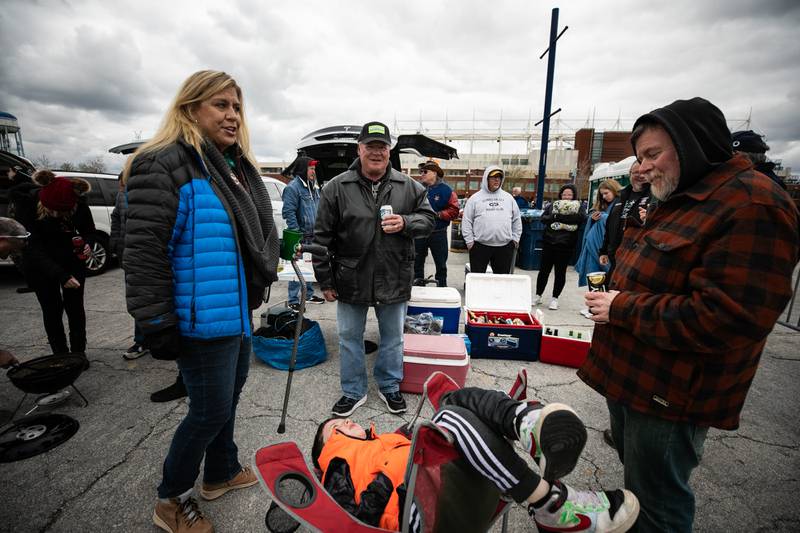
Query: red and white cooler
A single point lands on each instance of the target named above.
(564, 345)
(425, 354)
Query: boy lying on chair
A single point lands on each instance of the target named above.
(364, 472)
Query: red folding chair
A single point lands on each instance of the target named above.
(436, 477)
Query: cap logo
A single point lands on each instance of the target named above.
(376, 128)
(736, 144)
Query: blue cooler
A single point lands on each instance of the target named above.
(444, 302)
(501, 296)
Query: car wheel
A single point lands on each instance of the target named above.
(98, 261)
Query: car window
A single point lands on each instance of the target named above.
(274, 192)
(95, 195)
(110, 188)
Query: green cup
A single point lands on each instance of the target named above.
(291, 238)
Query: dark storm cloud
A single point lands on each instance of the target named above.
(103, 71)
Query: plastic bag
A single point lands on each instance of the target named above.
(277, 351)
(424, 324)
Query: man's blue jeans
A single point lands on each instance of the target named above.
(388, 370)
(214, 373)
(437, 242)
(659, 457)
(294, 292)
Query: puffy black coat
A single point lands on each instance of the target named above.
(50, 255)
(368, 266)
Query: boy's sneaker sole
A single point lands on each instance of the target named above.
(346, 412)
(561, 437)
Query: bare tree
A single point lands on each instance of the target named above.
(96, 165)
(42, 162)
(68, 167)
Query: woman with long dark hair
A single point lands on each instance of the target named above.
(200, 249)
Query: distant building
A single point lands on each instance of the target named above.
(595, 147)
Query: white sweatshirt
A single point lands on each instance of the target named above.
(491, 218)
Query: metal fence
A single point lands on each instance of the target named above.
(792, 310)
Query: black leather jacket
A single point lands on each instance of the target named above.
(368, 266)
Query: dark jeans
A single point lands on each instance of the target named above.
(437, 242)
(214, 373)
(482, 423)
(659, 457)
(553, 257)
(500, 257)
(54, 301)
(138, 336)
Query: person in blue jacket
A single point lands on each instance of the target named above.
(300, 202)
(200, 249)
(444, 203)
(589, 259)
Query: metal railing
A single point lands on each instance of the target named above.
(786, 317)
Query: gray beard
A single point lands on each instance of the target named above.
(664, 190)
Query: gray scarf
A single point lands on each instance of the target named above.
(253, 213)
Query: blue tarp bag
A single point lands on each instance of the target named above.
(277, 352)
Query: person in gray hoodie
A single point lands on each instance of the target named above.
(491, 225)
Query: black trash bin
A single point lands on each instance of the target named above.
(457, 243)
(529, 255)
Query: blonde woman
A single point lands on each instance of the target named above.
(589, 260)
(200, 249)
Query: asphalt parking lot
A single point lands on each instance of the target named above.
(104, 478)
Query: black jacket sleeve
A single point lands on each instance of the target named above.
(153, 199)
(325, 234)
(339, 484)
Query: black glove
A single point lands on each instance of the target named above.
(164, 344)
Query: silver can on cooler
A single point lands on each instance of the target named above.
(386, 210)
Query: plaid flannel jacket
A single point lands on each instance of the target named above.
(702, 285)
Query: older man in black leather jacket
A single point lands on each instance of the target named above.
(371, 264)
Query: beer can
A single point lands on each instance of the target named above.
(386, 210)
(596, 281)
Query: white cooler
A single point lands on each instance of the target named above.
(444, 302)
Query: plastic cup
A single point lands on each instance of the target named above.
(596, 281)
(291, 238)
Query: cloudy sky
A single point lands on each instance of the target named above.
(82, 76)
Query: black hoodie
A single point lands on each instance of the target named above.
(700, 134)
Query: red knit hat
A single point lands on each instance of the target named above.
(59, 195)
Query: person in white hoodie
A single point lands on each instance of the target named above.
(491, 225)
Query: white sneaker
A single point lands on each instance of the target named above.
(537, 300)
(553, 304)
(586, 313)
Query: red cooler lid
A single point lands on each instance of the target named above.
(435, 346)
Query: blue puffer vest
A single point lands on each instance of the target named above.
(210, 289)
(199, 284)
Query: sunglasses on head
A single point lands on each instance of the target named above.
(28, 234)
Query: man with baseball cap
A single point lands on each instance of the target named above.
(698, 288)
(300, 203)
(751, 145)
(491, 225)
(371, 263)
(444, 203)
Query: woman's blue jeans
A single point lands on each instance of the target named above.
(214, 373)
(351, 320)
(659, 457)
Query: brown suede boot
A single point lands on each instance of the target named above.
(176, 517)
(245, 478)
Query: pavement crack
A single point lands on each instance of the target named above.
(58, 512)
